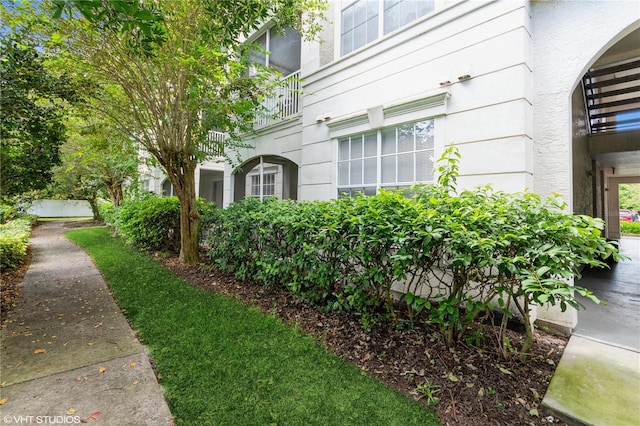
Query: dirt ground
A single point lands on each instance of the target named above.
(468, 385)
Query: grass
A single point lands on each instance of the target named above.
(630, 227)
(221, 362)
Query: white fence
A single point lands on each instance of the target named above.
(60, 208)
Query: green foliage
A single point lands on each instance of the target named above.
(456, 256)
(630, 196)
(7, 211)
(630, 228)
(140, 23)
(151, 223)
(33, 101)
(429, 391)
(14, 241)
(197, 51)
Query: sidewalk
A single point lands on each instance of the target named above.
(597, 381)
(67, 351)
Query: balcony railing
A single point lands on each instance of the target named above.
(285, 103)
(215, 149)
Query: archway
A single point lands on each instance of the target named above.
(606, 153)
(266, 176)
(606, 131)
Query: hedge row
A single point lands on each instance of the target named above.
(14, 241)
(630, 227)
(152, 222)
(458, 255)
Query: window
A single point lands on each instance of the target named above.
(281, 51)
(268, 185)
(393, 157)
(362, 20)
(359, 25)
(279, 179)
(398, 13)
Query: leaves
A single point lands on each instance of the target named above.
(40, 351)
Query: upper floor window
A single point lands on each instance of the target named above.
(280, 51)
(364, 20)
(393, 157)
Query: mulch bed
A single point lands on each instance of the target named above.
(474, 384)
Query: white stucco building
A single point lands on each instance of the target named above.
(537, 95)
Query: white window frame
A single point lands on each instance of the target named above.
(380, 22)
(371, 188)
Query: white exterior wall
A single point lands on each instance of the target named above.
(568, 37)
(488, 116)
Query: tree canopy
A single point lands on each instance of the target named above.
(180, 82)
(32, 104)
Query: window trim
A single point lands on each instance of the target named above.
(379, 184)
(436, 6)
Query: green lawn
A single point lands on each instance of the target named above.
(223, 363)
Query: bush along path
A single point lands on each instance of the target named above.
(469, 265)
(222, 362)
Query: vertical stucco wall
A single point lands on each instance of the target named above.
(568, 37)
(489, 115)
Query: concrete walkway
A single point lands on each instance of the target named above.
(68, 355)
(597, 381)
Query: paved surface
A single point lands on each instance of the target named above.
(68, 355)
(597, 381)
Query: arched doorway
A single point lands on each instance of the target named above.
(266, 176)
(606, 131)
(606, 153)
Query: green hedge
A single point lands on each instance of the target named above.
(14, 241)
(630, 227)
(458, 254)
(152, 223)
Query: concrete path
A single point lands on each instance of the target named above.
(597, 381)
(68, 355)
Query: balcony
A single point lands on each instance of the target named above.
(284, 104)
(215, 148)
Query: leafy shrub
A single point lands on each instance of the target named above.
(14, 241)
(107, 212)
(7, 212)
(630, 227)
(466, 252)
(151, 223)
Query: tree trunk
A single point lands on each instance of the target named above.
(189, 216)
(93, 202)
(115, 191)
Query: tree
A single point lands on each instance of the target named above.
(32, 104)
(192, 80)
(630, 196)
(95, 158)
